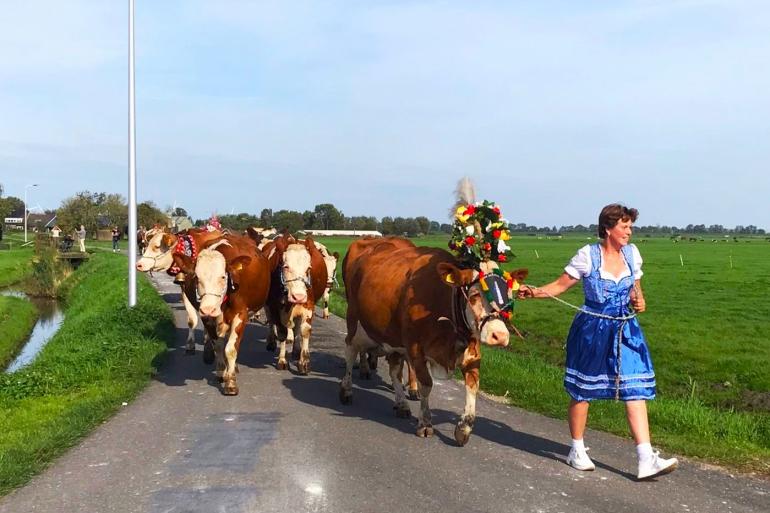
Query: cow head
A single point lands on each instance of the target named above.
(158, 254)
(295, 272)
(216, 278)
(481, 315)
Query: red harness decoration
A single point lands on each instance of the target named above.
(185, 245)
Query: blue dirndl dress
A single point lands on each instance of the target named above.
(594, 356)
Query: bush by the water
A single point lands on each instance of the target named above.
(48, 274)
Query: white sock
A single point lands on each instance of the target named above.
(644, 451)
(578, 445)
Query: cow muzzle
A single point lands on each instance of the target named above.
(495, 333)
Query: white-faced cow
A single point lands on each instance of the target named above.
(232, 278)
(158, 257)
(298, 280)
(422, 305)
(330, 260)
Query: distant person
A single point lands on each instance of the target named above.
(55, 232)
(115, 239)
(141, 242)
(607, 354)
(81, 237)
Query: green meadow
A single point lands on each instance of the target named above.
(708, 305)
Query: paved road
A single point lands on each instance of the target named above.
(286, 444)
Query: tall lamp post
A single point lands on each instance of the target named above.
(25, 209)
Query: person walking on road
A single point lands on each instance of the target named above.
(607, 354)
(81, 236)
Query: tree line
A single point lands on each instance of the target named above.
(99, 210)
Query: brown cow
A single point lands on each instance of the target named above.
(158, 257)
(232, 278)
(298, 280)
(421, 305)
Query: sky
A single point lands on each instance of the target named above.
(553, 108)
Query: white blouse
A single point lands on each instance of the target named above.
(580, 265)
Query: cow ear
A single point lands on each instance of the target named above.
(519, 274)
(167, 241)
(239, 263)
(336, 255)
(454, 276)
(184, 263)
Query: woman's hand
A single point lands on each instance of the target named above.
(524, 292)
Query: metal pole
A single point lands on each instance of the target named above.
(25, 215)
(132, 247)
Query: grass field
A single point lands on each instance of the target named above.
(103, 355)
(707, 328)
(17, 317)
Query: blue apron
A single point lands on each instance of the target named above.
(593, 360)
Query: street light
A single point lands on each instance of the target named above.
(25, 209)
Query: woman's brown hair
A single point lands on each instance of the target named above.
(611, 214)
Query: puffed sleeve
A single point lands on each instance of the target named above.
(637, 262)
(580, 264)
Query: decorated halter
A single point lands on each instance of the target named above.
(479, 234)
(185, 245)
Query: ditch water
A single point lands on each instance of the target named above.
(51, 317)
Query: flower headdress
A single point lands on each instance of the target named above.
(479, 233)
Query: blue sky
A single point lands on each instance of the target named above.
(554, 108)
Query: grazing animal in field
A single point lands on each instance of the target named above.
(158, 257)
(423, 306)
(298, 280)
(232, 278)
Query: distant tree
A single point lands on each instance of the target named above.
(179, 212)
(288, 219)
(328, 217)
(423, 224)
(434, 227)
(308, 220)
(238, 222)
(9, 205)
(266, 218)
(82, 208)
(147, 215)
(446, 228)
(386, 226)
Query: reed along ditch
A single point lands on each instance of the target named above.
(48, 323)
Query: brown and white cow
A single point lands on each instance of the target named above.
(423, 306)
(298, 280)
(158, 257)
(232, 278)
(330, 260)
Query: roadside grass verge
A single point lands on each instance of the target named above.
(706, 327)
(14, 265)
(103, 354)
(17, 318)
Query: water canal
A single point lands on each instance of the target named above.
(51, 317)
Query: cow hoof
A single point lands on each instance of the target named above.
(270, 346)
(189, 350)
(403, 412)
(462, 434)
(413, 395)
(220, 379)
(303, 368)
(282, 365)
(208, 354)
(346, 397)
(425, 431)
(230, 390)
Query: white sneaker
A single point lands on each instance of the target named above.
(656, 466)
(580, 460)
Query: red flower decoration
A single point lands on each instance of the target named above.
(505, 314)
(496, 210)
(496, 234)
(502, 258)
(487, 246)
(470, 210)
(470, 241)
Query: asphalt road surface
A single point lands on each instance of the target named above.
(286, 444)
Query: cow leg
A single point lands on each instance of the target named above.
(470, 368)
(396, 368)
(412, 391)
(325, 299)
(425, 385)
(192, 322)
(364, 372)
(208, 342)
(230, 386)
(303, 366)
(351, 352)
(289, 335)
(219, 358)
